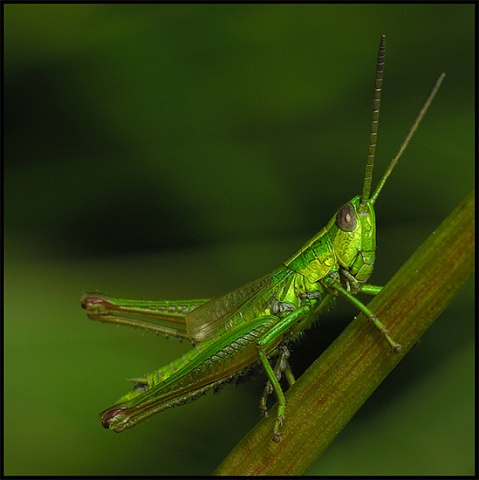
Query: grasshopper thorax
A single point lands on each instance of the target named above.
(347, 242)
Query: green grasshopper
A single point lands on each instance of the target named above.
(254, 324)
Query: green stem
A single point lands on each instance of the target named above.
(325, 398)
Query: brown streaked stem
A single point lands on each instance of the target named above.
(326, 397)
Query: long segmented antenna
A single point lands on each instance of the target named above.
(408, 137)
(373, 136)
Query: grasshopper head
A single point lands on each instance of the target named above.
(353, 236)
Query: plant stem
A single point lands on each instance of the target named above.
(325, 398)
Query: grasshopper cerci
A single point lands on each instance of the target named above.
(255, 323)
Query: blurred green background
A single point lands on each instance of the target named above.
(179, 151)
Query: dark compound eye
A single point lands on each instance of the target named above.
(346, 218)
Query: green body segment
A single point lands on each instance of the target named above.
(228, 354)
(254, 323)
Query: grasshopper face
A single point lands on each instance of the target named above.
(354, 238)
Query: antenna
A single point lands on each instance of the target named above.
(408, 137)
(373, 136)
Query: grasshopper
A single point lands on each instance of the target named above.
(254, 324)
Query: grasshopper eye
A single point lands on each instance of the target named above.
(346, 218)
